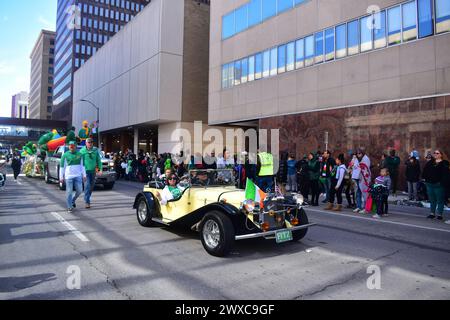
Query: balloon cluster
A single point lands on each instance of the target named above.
(29, 149)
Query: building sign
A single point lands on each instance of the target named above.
(13, 131)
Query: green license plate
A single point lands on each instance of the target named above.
(283, 236)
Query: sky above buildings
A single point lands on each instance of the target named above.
(20, 24)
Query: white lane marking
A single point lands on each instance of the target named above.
(70, 227)
(379, 220)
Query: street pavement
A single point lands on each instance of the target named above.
(43, 249)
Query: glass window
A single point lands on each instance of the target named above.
(284, 5)
(425, 9)
(329, 44)
(258, 65)
(299, 1)
(379, 30)
(237, 72)
(394, 25)
(442, 16)
(366, 33)
(241, 19)
(266, 63)
(251, 68)
(309, 50)
(228, 25)
(244, 66)
(341, 41)
(269, 8)
(319, 47)
(409, 21)
(225, 76)
(353, 37)
(282, 59)
(290, 56)
(273, 61)
(230, 75)
(254, 12)
(299, 53)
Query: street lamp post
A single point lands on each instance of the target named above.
(98, 120)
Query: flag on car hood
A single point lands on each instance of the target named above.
(253, 192)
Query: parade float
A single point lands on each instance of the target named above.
(35, 154)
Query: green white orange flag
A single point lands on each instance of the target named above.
(253, 192)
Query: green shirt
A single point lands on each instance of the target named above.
(91, 159)
(175, 192)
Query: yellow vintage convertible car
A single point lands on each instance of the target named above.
(211, 204)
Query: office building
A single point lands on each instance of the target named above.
(82, 27)
(41, 76)
(19, 105)
(150, 79)
(340, 74)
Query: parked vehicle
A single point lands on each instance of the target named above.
(52, 165)
(211, 205)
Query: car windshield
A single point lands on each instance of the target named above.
(211, 177)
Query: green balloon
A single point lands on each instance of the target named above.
(45, 138)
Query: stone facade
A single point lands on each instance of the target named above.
(420, 124)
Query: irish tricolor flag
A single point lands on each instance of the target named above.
(253, 192)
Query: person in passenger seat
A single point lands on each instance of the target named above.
(171, 191)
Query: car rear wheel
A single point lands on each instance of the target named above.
(300, 234)
(217, 234)
(144, 213)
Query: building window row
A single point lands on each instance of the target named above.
(395, 25)
(254, 12)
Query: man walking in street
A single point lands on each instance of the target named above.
(72, 172)
(91, 161)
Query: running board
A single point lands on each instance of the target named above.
(160, 221)
(272, 232)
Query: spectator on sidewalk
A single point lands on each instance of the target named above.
(349, 186)
(291, 173)
(337, 184)
(326, 167)
(436, 175)
(362, 176)
(392, 164)
(380, 193)
(313, 175)
(412, 177)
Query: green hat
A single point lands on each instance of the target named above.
(72, 142)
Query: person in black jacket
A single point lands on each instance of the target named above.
(16, 165)
(436, 175)
(412, 177)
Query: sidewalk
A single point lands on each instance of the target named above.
(403, 200)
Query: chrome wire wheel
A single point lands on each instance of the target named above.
(211, 234)
(142, 210)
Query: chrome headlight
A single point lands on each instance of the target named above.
(249, 205)
(299, 199)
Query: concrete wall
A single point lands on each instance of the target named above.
(415, 69)
(136, 77)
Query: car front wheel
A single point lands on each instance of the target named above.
(217, 234)
(143, 213)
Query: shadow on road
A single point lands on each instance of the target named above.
(14, 284)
